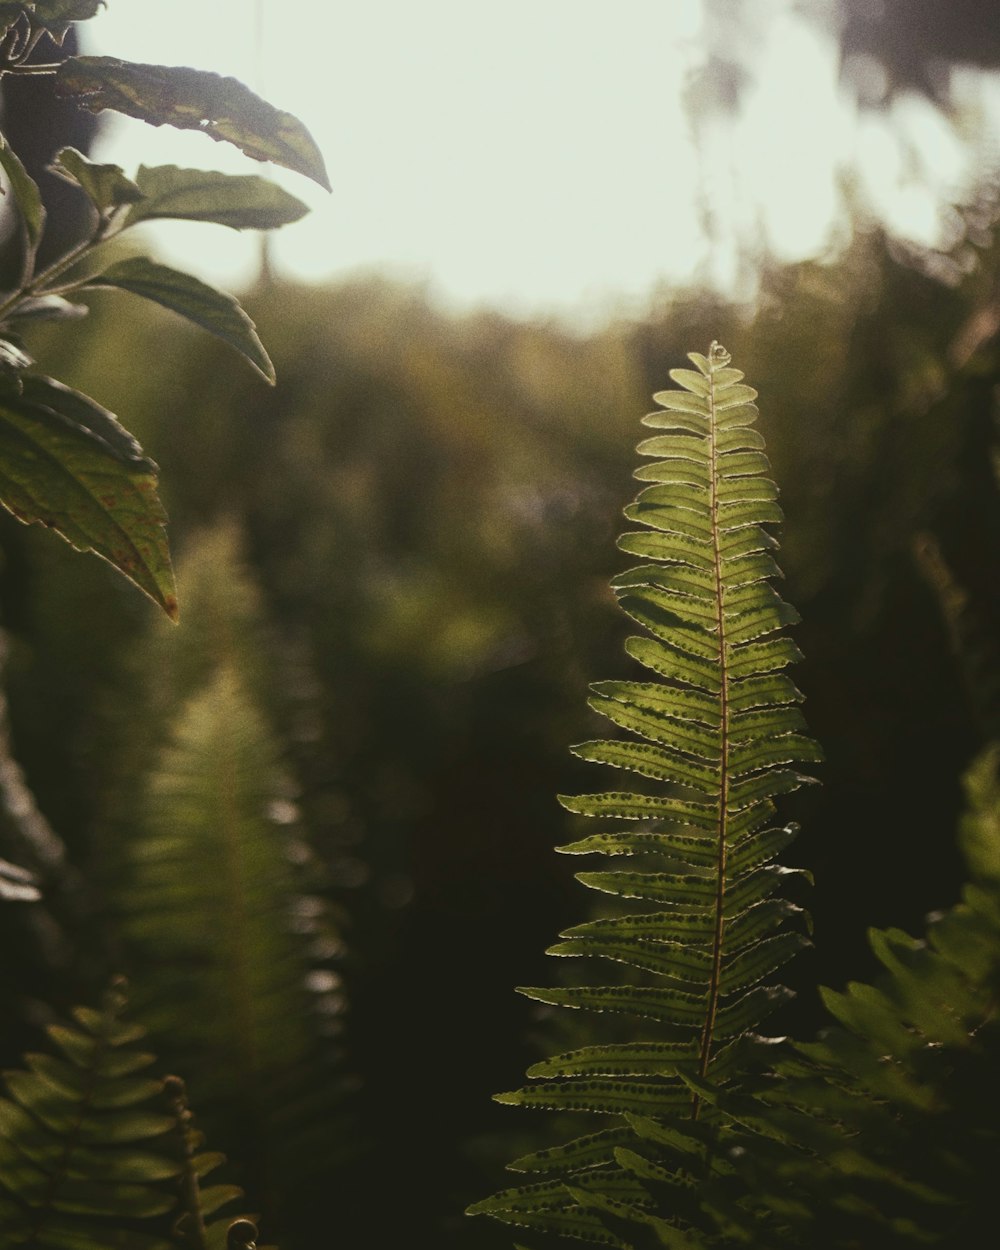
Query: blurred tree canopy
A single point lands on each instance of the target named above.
(919, 42)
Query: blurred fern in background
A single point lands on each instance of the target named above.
(96, 1151)
(232, 948)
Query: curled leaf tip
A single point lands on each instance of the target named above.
(241, 1235)
(718, 356)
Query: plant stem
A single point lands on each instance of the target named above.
(37, 284)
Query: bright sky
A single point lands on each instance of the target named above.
(534, 154)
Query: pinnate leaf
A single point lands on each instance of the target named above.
(192, 99)
(86, 479)
(213, 310)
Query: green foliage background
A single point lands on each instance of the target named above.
(428, 507)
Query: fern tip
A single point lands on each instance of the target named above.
(718, 356)
(241, 1235)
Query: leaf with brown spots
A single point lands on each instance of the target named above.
(193, 99)
(66, 463)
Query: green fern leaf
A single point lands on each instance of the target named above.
(716, 739)
(92, 1153)
(884, 1131)
(210, 886)
(228, 939)
(78, 1137)
(905, 1084)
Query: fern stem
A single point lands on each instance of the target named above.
(191, 1225)
(705, 1055)
(234, 876)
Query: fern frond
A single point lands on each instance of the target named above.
(231, 943)
(212, 882)
(884, 1131)
(91, 1154)
(223, 625)
(716, 736)
(77, 1133)
(907, 1077)
(219, 935)
(197, 1223)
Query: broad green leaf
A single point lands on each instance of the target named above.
(83, 411)
(58, 472)
(13, 358)
(218, 313)
(192, 99)
(47, 308)
(105, 185)
(26, 193)
(245, 202)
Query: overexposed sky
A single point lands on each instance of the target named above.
(533, 155)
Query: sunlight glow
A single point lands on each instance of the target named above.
(535, 157)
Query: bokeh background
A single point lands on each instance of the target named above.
(405, 547)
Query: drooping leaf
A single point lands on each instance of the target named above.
(26, 193)
(106, 186)
(243, 202)
(67, 464)
(192, 99)
(218, 313)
